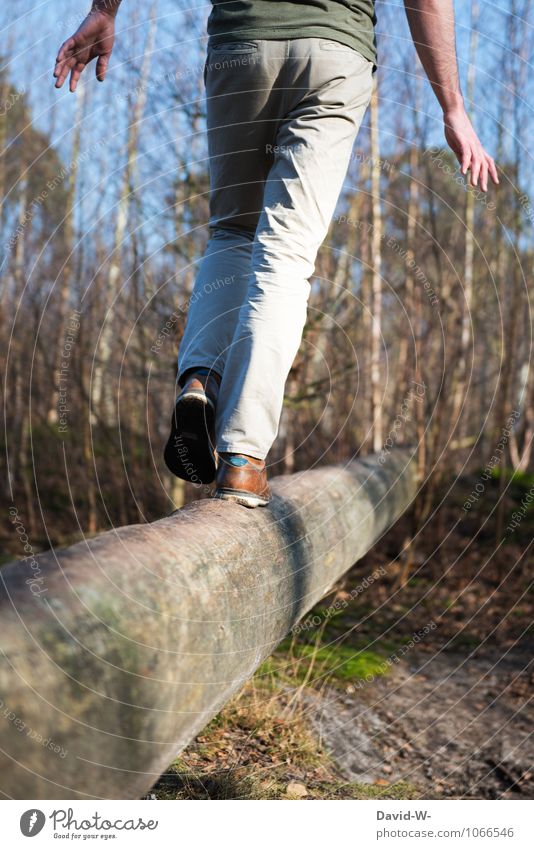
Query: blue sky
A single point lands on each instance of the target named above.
(33, 31)
(37, 29)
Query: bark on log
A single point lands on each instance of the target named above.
(139, 636)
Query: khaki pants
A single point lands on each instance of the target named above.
(282, 119)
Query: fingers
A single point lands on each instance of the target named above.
(64, 61)
(62, 71)
(469, 152)
(484, 174)
(102, 67)
(73, 59)
(492, 169)
(476, 163)
(465, 159)
(75, 68)
(482, 166)
(65, 51)
(75, 75)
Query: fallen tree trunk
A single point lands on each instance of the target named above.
(118, 650)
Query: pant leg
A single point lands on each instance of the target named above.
(220, 288)
(243, 109)
(331, 88)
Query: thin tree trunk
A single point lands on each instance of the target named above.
(510, 350)
(65, 286)
(101, 390)
(376, 247)
(520, 456)
(467, 301)
(20, 457)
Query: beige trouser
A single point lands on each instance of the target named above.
(282, 119)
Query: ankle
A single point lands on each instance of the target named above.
(198, 371)
(230, 456)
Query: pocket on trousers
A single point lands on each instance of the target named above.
(235, 47)
(230, 55)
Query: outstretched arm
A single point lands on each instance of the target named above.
(432, 27)
(92, 40)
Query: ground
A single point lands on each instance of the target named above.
(436, 726)
(418, 685)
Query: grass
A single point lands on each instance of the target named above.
(327, 656)
(260, 747)
(233, 784)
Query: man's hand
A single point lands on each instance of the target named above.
(465, 144)
(92, 40)
(432, 27)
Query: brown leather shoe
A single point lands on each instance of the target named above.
(189, 453)
(242, 479)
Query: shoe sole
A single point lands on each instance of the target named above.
(247, 499)
(189, 453)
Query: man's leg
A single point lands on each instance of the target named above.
(330, 87)
(220, 288)
(242, 107)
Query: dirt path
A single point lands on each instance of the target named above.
(453, 727)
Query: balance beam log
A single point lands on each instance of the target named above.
(118, 650)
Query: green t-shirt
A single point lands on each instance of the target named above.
(350, 22)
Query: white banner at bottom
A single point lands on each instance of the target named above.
(269, 825)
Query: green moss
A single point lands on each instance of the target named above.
(338, 661)
(342, 661)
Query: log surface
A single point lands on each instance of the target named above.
(139, 636)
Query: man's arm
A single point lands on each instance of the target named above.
(92, 40)
(432, 27)
(111, 6)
